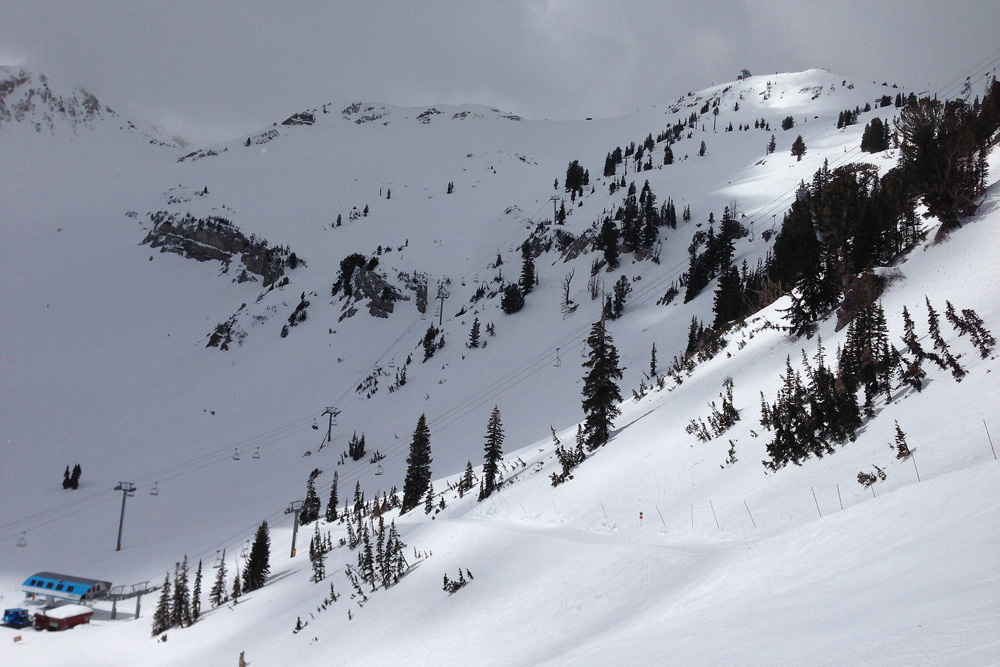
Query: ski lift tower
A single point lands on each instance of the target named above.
(442, 294)
(294, 508)
(128, 490)
(332, 412)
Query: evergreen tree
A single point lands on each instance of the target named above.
(474, 334)
(493, 453)
(162, 617)
(512, 300)
(668, 156)
(331, 506)
(429, 499)
(876, 136)
(395, 553)
(601, 395)
(311, 505)
(652, 362)
(622, 289)
(418, 470)
(237, 591)
(913, 371)
(356, 446)
(181, 607)
(702, 149)
(946, 360)
(607, 241)
(938, 148)
(258, 565)
(218, 594)
(728, 298)
(317, 556)
(467, 481)
(196, 595)
(527, 282)
(772, 145)
(902, 449)
(798, 148)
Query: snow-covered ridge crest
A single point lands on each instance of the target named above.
(25, 97)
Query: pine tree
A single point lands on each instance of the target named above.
(467, 481)
(317, 556)
(196, 595)
(607, 241)
(237, 591)
(258, 564)
(162, 617)
(772, 145)
(600, 391)
(181, 606)
(311, 505)
(331, 506)
(527, 282)
(512, 299)
(702, 149)
(798, 148)
(913, 371)
(474, 334)
(946, 360)
(381, 563)
(396, 553)
(652, 362)
(902, 449)
(218, 594)
(938, 147)
(366, 559)
(429, 499)
(493, 453)
(418, 470)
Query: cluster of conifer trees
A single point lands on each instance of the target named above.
(819, 407)
(179, 604)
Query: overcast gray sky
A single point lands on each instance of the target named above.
(215, 69)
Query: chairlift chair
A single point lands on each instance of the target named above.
(22, 541)
(558, 362)
(236, 454)
(245, 550)
(379, 471)
(155, 491)
(256, 453)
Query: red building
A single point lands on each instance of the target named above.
(63, 618)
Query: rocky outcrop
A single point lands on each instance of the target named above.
(215, 238)
(24, 98)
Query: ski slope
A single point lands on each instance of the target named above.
(105, 364)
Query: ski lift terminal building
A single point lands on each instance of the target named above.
(65, 587)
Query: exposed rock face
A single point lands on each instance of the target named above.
(26, 98)
(301, 118)
(381, 295)
(218, 239)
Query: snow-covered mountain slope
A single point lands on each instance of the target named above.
(105, 363)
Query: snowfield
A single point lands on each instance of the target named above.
(103, 362)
